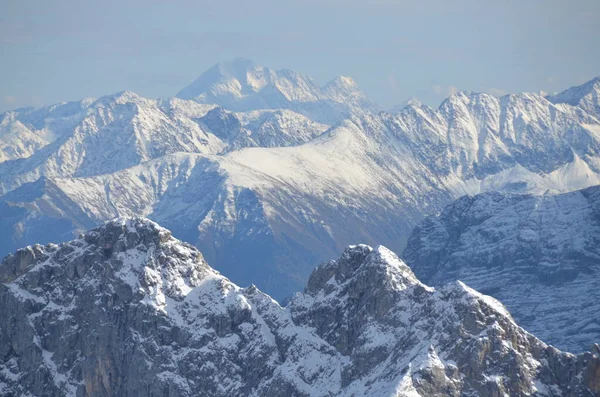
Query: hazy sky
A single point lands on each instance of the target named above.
(65, 50)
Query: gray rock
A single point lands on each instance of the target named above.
(539, 255)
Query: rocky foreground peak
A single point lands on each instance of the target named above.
(129, 310)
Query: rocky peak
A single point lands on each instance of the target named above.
(145, 255)
(361, 264)
(222, 123)
(341, 270)
(122, 234)
(363, 284)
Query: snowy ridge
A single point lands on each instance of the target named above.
(115, 132)
(276, 184)
(127, 309)
(585, 96)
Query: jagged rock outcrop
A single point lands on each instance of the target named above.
(128, 310)
(540, 255)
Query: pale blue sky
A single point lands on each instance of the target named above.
(65, 50)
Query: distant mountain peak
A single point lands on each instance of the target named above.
(586, 96)
(342, 81)
(120, 98)
(412, 101)
(242, 85)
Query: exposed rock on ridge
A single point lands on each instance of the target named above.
(129, 310)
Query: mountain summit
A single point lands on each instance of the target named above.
(585, 96)
(242, 85)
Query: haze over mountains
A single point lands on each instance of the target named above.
(242, 85)
(269, 174)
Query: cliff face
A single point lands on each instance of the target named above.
(539, 255)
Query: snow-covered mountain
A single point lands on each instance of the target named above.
(409, 102)
(540, 255)
(128, 310)
(585, 96)
(276, 192)
(103, 136)
(242, 85)
(115, 132)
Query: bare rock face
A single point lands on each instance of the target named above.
(452, 341)
(539, 255)
(128, 310)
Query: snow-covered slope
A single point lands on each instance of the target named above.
(16, 140)
(128, 310)
(276, 128)
(540, 255)
(242, 85)
(585, 96)
(115, 132)
(105, 136)
(281, 211)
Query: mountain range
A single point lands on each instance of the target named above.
(268, 173)
(126, 309)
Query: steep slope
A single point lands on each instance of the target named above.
(278, 212)
(242, 85)
(107, 135)
(16, 140)
(540, 255)
(40, 212)
(115, 132)
(126, 309)
(276, 128)
(585, 96)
